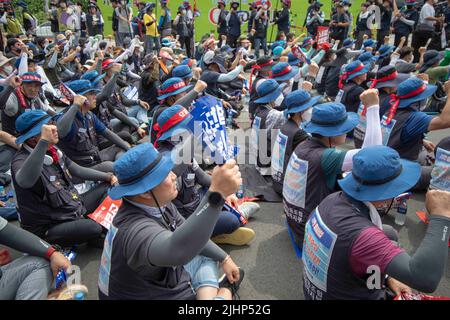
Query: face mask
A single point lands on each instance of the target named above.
(288, 88)
(279, 100)
(307, 115)
(8, 70)
(183, 12)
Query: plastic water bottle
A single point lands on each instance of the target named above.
(3, 195)
(400, 216)
(240, 193)
(229, 119)
(61, 277)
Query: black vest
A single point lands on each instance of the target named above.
(284, 144)
(299, 200)
(410, 150)
(8, 122)
(332, 229)
(83, 148)
(188, 197)
(349, 106)
(117, 281)
(60, 203)
(234, 25)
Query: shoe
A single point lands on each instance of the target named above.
(233, 287)
(72, 292)
(239, 237)
(248, 209)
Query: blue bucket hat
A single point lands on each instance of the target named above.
(385, 50)
(350, 69)
(277, 51)
(331, 120)
(379, 174)
(226, 49)
(172, 87)
(279, 43)
(140, 170)
(413, 90)
(93, 77)
(293, 60)
(300, 100)
(29, 124)
(307, 41)
(369, 43)
(182, 71)
(269, 91)
(430, 58)
(367, 58)
(32, 77)
(82, 87)
(173, 119)
(348, 43)
(283, 71)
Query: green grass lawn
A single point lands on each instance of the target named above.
(203, 25)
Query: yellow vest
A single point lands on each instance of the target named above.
(152, 30)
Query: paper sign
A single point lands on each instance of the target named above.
(209, 127)
(105, 213)
(322, 35)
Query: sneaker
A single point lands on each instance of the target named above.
(72, 292)
(239, 237)
(248, 209)
(233, 287)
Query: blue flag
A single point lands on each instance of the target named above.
(209, 126)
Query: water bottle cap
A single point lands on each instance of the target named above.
(79, 296)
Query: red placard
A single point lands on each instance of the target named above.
(322, 35)
(106, 212)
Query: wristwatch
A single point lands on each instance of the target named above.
(215, 199)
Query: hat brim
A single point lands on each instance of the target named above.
(404, 182)
(147, 182)
(295, 62)
(288, 76)
(33, 81)
(429, 91)
(386, 53)
(305, 106)
(33, 132)
(334, 131)
(89, 91)
(188, 75)
(392, 83)
(364, 70)
(164, 96)
(99, 78)
(5, 61)
(177, 129)
(272, 96)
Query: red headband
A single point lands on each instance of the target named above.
(345, 75)
(282, 72)
(390, 77)
(395, 101)
(30, 77)
(173, 88)
(258, 67)
(176, 118)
